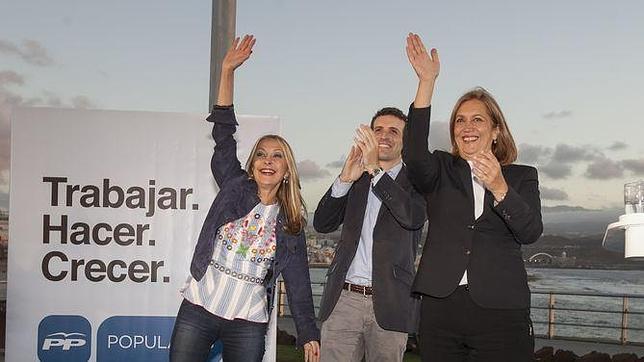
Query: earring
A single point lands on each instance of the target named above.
(494, 141)
(285, 180)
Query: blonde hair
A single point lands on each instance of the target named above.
(289, 193)
(504, 149)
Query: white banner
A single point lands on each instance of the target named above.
(106, 207)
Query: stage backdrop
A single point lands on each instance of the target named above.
(106, 207)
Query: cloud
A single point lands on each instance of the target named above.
(558, 114)
(634, 165)
(309, 170)
(566, 154)
(617, 145)
(439, 136)
(4, 201)
(532, 154)
(563, 208)
(31, 51)
(556, 170)
(604, 169)
(82, 102)
(552, 194)
(337, 163)
(11, 77)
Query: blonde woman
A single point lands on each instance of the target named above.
(253, 233)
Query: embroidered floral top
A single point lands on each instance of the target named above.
(244, 250)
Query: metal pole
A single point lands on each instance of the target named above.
(624, 334)
(551, 316)
(221, 36)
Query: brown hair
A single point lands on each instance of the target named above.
(504, 149)
(289, 195)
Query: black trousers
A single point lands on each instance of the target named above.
(455, 329)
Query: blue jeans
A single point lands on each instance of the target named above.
(196, 330)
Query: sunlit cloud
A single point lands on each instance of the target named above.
(337, 163)
(309, 171)
(31, 51)
(604, 169)
(558, 114)
(555, 170)
(548, 193)
(617, 146)
(636, 166)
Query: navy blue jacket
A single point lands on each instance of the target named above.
(236, 198)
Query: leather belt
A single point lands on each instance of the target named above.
(358, 289)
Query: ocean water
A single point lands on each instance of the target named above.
(594, 317)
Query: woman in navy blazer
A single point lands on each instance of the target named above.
(481, 208)
(270, 180)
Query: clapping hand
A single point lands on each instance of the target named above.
(352, 169)
(366, 140)
(488, 170)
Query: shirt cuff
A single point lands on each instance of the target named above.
(339, 188)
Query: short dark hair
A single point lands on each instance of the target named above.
(389, 111)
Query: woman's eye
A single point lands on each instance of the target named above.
(278, 155)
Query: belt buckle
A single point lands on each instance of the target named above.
(364, 291)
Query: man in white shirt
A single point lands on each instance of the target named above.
(367, 309)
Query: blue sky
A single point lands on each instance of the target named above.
(567, 74)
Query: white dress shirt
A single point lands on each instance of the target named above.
(361, 266)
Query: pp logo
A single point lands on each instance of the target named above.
(64, 338)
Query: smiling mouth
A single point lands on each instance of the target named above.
(266, 171)
(384, 145)
(470, 139)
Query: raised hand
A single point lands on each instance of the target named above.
(488, 170)
(352, 169)
(426, 67)
(238, 53)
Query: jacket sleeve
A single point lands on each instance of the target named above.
(224, 163)
(422, 165)
(407, 207)
(298, 291)
(521, 209)
(329, 214)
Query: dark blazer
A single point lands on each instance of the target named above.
(395, 240)
(488, 247)
(236, 198)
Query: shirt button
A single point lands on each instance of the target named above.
(468, 251)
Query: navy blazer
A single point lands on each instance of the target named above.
(489, 248)
(236, 198)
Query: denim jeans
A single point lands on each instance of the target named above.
(196, 330)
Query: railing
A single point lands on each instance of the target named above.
(608, 318)
(605, 318)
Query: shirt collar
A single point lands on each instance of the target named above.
(393, 172)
